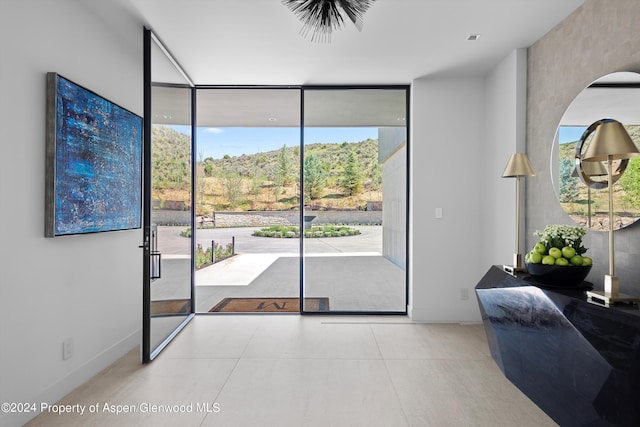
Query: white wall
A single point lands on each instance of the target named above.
(83, 287)
(463, 132)
(505, 107)
(447, 141)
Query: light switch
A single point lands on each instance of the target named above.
(438, 213)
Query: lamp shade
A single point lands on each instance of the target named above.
(518, 165)
(591, 169)
(610, 140)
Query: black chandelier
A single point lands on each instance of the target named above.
(321, 17)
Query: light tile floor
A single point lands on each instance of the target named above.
(290, 370)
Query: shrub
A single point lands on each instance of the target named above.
(203, 257)
(289, 231)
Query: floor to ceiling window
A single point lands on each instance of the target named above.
(247, 181)
(355, 187)
(253, 222)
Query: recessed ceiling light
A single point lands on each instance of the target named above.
(273, 119)
(473, 37)
(400, 119)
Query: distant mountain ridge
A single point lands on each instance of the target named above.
(171, 159)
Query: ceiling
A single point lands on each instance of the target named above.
(267, 107)
(257, 42)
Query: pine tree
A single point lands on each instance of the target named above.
(283, 173)
(315, 177)
(353, 177)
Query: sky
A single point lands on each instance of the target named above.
(235, 141)
(570, 133)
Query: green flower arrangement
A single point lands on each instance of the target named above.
(559, 245)
(560, 236)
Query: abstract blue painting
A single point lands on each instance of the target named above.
(94, 162)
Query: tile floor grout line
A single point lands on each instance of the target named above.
(235, 366)
(386, 369)
(216, 397)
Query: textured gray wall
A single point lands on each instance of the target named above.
(601, 37)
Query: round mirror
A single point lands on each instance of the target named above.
(615, 96)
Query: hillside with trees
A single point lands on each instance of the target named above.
(337, 176)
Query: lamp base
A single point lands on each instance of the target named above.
(517, 267)
(610, 294)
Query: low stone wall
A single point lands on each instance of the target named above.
(167, 217)
(267, 218)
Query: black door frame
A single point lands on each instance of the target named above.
(149, 353)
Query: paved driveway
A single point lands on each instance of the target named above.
(369, 241)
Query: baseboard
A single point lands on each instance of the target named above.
(77, 377)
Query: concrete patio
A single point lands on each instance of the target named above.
(350, 270)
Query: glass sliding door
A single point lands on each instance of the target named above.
(247, 196)
(355, 200)
(168, 245)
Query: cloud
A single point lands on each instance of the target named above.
(213, 130)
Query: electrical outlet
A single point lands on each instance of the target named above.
(67, 349)
(464, 294)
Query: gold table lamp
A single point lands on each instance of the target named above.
(610, 142)
(517, 167)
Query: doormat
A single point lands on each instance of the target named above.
(170, 306)
(269, 305)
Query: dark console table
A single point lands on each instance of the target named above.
(578, 361)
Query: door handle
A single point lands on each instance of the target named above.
(156, 265)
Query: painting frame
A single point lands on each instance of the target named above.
(93, 167)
